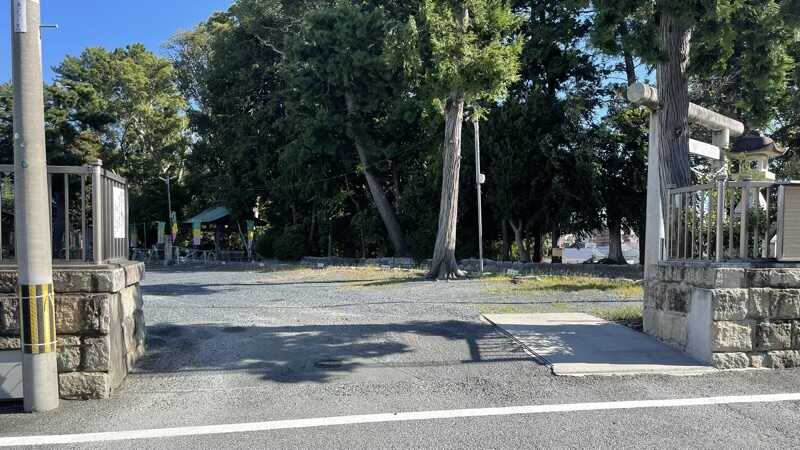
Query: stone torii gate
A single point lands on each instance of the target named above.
(723, 128)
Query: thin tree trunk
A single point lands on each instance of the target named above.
(522, 253)
(673, 92)
(311, 245)
(330, 240)
(538, 248)
(627, 56)
(615, 241)
(505, 251)
(444, 265)
(385, 209)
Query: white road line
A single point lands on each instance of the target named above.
(381, 418)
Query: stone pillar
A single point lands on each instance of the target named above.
(727, 314)
(99, 324)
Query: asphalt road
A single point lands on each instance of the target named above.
(228, 347)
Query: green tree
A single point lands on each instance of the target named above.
(712, 39)
(343, 79)
(465, 52)
(122, 106)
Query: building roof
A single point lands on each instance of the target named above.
(210, 215)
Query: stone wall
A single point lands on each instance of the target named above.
(634, 272)
(728, 315)
(100, 325)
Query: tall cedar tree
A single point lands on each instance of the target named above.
(466, 52)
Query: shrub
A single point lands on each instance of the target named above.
(290, 246)
(264, 246)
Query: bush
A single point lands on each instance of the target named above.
(290, 246)
(264, 246)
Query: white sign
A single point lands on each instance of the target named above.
(119, 213)
(20, 16)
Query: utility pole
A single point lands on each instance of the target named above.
(34, 251)
(168, 243)
(479, 180)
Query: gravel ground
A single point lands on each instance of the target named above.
(229, 346)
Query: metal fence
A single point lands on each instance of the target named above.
(725, 220)
(88, 213)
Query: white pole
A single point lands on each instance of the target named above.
(479, 181)
(31, 207)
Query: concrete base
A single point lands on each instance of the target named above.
(10, 375)
(578, 344)
(99, 327)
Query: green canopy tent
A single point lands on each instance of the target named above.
(224, 224)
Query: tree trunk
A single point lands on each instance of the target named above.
(538, 248)
(673, 93)
(363, 242)
(385, 209)
(615, 241)
(627, 56)
(311, 245)
(522, 253)
(505, 251)
(330, 240)
(444, 265)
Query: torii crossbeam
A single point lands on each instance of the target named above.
(722, 128)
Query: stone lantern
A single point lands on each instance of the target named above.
(753, 151)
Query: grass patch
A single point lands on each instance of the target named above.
(630, 316)
(624, 289)
(347, 276)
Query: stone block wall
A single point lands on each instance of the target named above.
(729, 315)
(634, 272)
(100, 325)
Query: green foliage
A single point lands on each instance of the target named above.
(738, 57)
(621, 143)
(265, 245)
(464, 46)
(290, 245)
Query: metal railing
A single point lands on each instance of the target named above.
(724, 220)
(88, 213)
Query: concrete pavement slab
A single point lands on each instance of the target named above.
(578, 344)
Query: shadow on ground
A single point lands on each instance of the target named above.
(184, 289)
(316, 353)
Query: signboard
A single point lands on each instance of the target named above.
(20, 16)
(120, 224)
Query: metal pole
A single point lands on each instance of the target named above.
(169, 201)
(478, 182)
(34, 250)
(97, 211)
(720, 250)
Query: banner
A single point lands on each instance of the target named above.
(161, 231)
(197, 233)
(174, 228)
(251, 230)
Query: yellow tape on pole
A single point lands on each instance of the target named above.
(37, 318)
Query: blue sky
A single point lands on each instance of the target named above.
(105, 23)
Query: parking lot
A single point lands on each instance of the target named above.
(233, 348)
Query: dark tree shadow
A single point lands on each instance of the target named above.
(314, 353)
